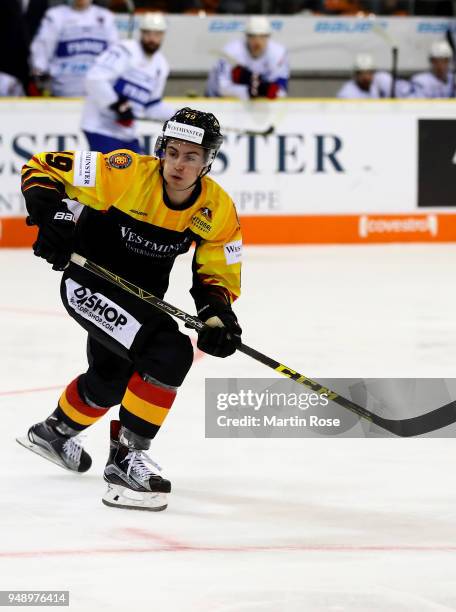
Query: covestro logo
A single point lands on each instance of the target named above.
(425, 224)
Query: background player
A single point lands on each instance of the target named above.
(438, 82)
(127, 82)
(67, 43)
(253, 67)
(367, 82)
(134, 214)
(10, 86)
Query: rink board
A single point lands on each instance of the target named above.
(303, 229)
(332, 172)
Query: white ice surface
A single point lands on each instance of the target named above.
(252, 525)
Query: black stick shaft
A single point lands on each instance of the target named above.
(394, 58)
(130, 6)
(229, 129)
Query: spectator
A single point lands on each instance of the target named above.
(438, 82)
(369, 83)
(67, 43)
(253, 67)
(392, 7)
(126, 83)
(13, 41)
(343, 7)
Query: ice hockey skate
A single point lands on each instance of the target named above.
(64, 450)
(133, 478)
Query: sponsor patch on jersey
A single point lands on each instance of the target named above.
(120, 160)
(200, 224)
(85, 168)
(175, 129)
(102, 312)
(233, 252)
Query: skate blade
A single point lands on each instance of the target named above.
(38, 450)
(121, 497)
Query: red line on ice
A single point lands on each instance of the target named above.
(178, 547)
(32, 311)
(36, 390)
(155, 537)
(198, 355)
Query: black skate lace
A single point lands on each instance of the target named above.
(73, 449)
(140, 463)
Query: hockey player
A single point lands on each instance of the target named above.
(134, 214)
(438, 82)
(67, 43)
(10, 86)
(254, 67)
(127, 82)
(370, 83)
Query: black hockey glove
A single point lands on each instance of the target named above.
(259, 88)
(222, 332)
(241, 75)
(123, 111)
(267, 90)
(55, 238)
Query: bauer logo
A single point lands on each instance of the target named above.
(85, 168)
(102, 312)
(405, 225)
(233, 252)
(349, 26)
(238, 25)
(174, 129)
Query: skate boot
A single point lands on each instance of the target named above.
(133, 478)
(55, 441)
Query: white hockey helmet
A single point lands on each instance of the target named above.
(258, 25)
(363, 62)
(152, 21)
(440, 50)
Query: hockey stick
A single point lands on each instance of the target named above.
(377, 28)
(232, 130)
(450, 41)
(394, 58)
(414, 426)
(130, 6)
(266, 132)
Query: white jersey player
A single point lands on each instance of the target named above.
(369, 83)
(253, 67)
(10, 86)
(127, 83)
(67, 43)
(438, 82)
